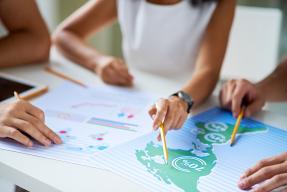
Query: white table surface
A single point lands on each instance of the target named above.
(46, 175)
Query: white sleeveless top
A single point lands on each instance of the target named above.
(162, 39)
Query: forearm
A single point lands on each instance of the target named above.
(23, 47)
(201, 85)
(274, 87)
(76, 49)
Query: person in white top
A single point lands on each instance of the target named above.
(171, 38)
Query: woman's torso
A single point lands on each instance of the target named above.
(162, 39)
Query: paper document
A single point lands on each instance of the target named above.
(200, 156)
(89, 121)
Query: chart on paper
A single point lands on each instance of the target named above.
(80, 141)
(117, 108)
(89, 121)
(200, 157)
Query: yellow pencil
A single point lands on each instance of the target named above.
(63, 76)
(164, 148)
(237, 124)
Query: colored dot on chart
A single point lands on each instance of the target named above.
(121, 114)
(102, 147)
(100, 138)
(130, 116)
(62, 132)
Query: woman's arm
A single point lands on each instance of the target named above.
(70, 39)
(28, 38)
(274, 86)
(211, 53)
(173, 111)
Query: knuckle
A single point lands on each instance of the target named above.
(262, 163)
(242, 81)
(278, 178)
(13, 132)
(266, 171)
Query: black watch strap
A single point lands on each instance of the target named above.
(186, 98)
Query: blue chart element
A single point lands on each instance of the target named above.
(121, 115)
(112, 124)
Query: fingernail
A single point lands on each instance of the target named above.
(241, 184)
(30, 144)
(58, 140)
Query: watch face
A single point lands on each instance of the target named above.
(184, 96)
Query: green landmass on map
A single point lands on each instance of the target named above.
(185, 167)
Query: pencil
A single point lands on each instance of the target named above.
(237, 124)
(35, 94)
(164, 148)
(63, 76)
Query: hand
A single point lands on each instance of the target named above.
(172, 112)
(269, 173)
(22, 117)
(114, 71)
(233, 92)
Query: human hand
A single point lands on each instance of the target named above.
(22, 117)
(172, 112)
(233, 92)
(269, 173)
(114, 71)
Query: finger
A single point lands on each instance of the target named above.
(110, 76)
(42, 128)
(273, 183)
(34, 111)
(17, 136)
(226, 94)
(152, 111)
(262, 175)
(123, 72)
(254, 107)
(161, 107)
(124, 67)
(170, 120)
(29, 128)
(264, 163)
(50, 134)
(237, 98)
(181, 121)
(119, 77)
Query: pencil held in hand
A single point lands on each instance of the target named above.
(237, 124)
(165, 152)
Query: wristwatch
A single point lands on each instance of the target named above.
(186, 98)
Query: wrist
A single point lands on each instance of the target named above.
(186, 98)
(261, 91)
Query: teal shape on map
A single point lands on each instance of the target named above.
(185, 167)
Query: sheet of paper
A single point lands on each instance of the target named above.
(89, 121)
(200, 157)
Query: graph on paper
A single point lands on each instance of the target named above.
(117, 108)
(200, 157)
(88, 121)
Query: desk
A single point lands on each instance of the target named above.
(46, 175)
